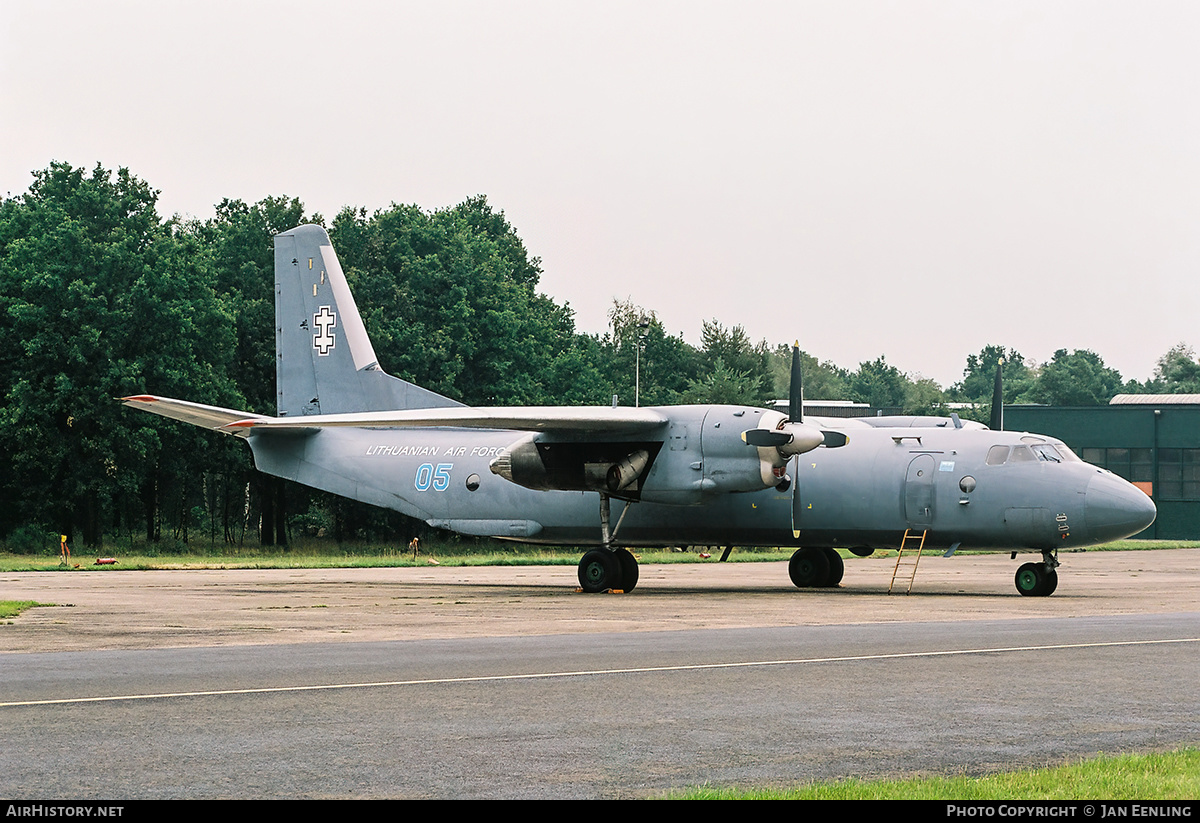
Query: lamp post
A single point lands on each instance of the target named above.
(643, 330)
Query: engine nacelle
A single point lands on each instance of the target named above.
(700, 454)
(707, 456)
(537, 461)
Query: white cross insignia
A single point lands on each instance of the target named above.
(324, 320)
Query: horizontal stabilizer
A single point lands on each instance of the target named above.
(198, 414)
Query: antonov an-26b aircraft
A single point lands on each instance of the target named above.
(682, 475)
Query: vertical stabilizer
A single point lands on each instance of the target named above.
(324, 360)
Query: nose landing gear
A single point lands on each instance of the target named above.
(1038, 579)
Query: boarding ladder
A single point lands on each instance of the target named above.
(908, 557)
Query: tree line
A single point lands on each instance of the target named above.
(101, 297)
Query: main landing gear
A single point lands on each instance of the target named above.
(1038, 579)
(816, 568)
(604, 569)
(608, 568)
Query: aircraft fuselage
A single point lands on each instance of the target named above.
(866, 493)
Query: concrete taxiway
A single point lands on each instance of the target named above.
(113, 609)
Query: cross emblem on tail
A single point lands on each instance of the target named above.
(323, 340)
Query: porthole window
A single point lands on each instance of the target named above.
(472, 482)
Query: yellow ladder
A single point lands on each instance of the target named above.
(911, 542)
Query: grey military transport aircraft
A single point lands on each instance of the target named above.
(698, 475)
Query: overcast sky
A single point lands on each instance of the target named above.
(913, 179)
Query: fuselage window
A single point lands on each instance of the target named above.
(997, 455)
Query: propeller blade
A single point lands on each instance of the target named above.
(834, 440)
(780, 438)
(997, 422)
(796, 389)
(766, 437)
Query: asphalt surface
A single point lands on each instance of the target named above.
(503, 682)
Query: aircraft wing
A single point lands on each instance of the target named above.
(518, 418)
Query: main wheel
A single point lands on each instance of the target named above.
(837, 567)
(808, 568)
(1033, 580)
(629, 569)
(599, 570)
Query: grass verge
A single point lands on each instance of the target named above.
(1173, 775)
(11, 608)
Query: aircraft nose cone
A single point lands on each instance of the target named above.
(1115, 508)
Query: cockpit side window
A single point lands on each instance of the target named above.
(997, 455)
(1022, 454)
(1068, 455)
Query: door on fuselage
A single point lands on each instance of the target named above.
(919, 492)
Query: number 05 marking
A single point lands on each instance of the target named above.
(436, 476)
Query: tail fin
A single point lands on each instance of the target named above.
(324, 361)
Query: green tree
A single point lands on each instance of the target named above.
(822, 380)
(103, 300)
(978, 383)
(731, 352)
(668, 363)
(879, 384)
(1079, 378)
(449, 298)
(980, 374)
(724, 385)
(1177, 372)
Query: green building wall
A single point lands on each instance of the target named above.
(1156, 447)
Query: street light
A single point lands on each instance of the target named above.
(643, 330)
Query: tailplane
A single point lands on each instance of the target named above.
(324, 361)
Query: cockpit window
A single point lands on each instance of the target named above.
(997, 455)
(1022, 454)
(1048, 453)
(1068, 455)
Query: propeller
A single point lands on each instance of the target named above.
(794, 436)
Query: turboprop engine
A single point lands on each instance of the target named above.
(539, 462)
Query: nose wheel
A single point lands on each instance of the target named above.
(1038, 579)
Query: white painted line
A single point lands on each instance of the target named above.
(600, 672)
